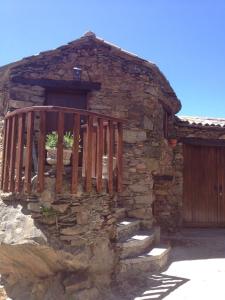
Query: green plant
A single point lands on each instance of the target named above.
(51, 140)
(68, 140)
(48, 211)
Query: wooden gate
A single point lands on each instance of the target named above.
(204, 186)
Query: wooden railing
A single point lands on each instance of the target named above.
(24, 150)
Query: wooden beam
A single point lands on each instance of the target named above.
(71, 85)
(203, 142)
(68, 110)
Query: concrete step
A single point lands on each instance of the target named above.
(126, 228)
(135, 244)
(151, 261)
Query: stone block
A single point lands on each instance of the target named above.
(37, 99)
(147, 123)
(144, 199)
(60, 207)
(75, 282)
(82, 217)
(140, 213)
(138, 187)
(73, 230)
(78, 242)
(134, 136)
(19, 104)
(37, 90)
(87, 294)
(34, 206)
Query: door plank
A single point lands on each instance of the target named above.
(200, 205)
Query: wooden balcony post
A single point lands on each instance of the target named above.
(3, 152)
(75, 154)
(110, 156)
(119, 156)
(100, 146)
(6, 155)
(41, 152)
(28, 162)
(59, 164)
(88, 162)
(13, 155)
(19, 154)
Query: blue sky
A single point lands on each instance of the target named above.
(185, 38)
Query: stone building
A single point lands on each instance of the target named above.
(88, 235)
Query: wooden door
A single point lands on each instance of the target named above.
(64, 99)
(204, 182)
(221, 186)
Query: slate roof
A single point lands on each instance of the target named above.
(170, 100)
(201, 121)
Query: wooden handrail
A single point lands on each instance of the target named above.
(61, 109)
(101, 150)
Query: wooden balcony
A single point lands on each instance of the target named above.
(96, 138)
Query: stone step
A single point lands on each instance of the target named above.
(126, 228)
(151, 261)
(135, 244)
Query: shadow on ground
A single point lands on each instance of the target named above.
(158, 286)
(202, 247)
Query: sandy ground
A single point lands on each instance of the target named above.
(196, 270)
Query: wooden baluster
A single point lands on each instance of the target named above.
(88, 162)
(3, 152)
(28, 162)
(99, 154)
(41, 152)
(75, 154)
(7, 154)
(13, 155)
(94, 150)
(110, 156)
(19, 154)
(119, 157)
(59, 164)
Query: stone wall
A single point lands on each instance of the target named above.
(131, 89)
(80, 230)
(169, 188)
(77, 233)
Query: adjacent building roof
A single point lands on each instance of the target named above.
(201, 121)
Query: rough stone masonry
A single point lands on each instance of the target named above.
(76, 234)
